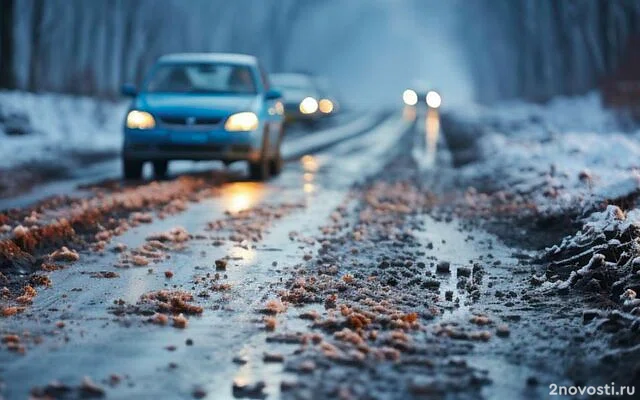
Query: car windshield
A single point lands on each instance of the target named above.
(202, 78)
(291, 82)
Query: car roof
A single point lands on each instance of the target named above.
(230, 58)
(292, 78)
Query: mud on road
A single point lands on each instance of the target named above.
(356, 274)
(411, 297)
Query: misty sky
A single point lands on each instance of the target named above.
(370, 49)
(375, 49)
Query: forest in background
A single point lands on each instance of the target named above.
(368, 48)
(537, 49)
(92, 47)
(526, 48)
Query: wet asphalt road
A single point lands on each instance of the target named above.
(94, 343)
(315, 217)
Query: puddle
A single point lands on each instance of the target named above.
(461, 248)
(509, 381)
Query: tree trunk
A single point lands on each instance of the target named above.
(36, 45)
(7, 76)
(128, 45)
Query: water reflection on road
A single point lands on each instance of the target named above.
(310, 167)
(428, 126)
(432, 132)
(240, 196)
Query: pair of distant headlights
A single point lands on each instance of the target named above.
(309, 105)
(433, 99)
(239, 122)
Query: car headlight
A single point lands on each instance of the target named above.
(433, 99)
(326, 106)
(309, 105)
(140, 120)
(242, 122)
(410, 97)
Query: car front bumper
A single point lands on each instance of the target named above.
(292, 113)
(195, 145)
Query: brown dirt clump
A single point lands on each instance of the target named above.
(64, 254)
(174, 302)
(39, 237)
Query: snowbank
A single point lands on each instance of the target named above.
(49, 127)
(562, 114)
(606, 226)
(566, 154)
(568, 159)
(602, 258)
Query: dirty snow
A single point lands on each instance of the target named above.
(609, 223)
(573, 167)
(562, 114)
(568, 154)
(47, 127)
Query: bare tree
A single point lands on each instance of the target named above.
(541, 48)
(280, 29)
(7, 76)
(37, 16)
(128, 45)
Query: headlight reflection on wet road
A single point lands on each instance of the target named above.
(309, 163)
(432, 132)
(409, 113)
(246, 255)
(240, 196)
(310, 167)
(428, 148)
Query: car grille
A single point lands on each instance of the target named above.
(240, 148)
(191, 147)
(176, 121)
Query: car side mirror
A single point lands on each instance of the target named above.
(129, 90)
(273, 94)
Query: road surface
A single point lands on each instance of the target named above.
(347, 276)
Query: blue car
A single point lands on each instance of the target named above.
(208, 106)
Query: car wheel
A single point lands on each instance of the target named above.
(160, 169)
(132, 169)
(276, 163)
(259, 170)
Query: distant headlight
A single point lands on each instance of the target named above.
(326, 106)
(140, 120)
(410, 97)
(242, 122)
(433, 99)
(309, 105)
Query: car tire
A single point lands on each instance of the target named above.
(132, 169)
(277, 162)
(259, 170)
(160, 168)
(275, 165)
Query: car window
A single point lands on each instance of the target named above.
(202, 78)
(293, 82)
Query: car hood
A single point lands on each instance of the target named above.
(296, 96)
(195, 104)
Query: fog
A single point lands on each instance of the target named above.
(372, 50)
(369, 50)
(480, 50)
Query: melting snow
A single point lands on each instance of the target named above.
(56, 124)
